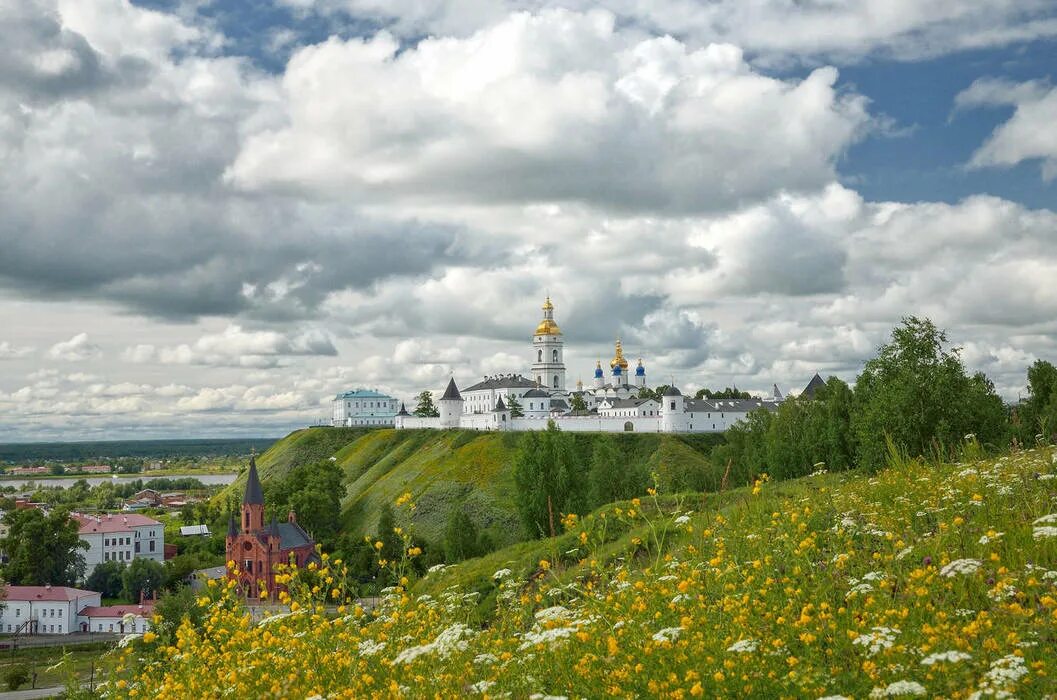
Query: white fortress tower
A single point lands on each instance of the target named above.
(450, 406)
(548, 366)
(673, 415)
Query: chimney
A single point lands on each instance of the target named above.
(291, 517)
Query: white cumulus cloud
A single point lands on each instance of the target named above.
(76, 349)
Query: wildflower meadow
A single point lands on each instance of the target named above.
(918, 580)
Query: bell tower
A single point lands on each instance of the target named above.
(548, 361)
(253, 500)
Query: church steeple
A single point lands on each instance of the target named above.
(253, 499)
(548, 367)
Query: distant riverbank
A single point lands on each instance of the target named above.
(23, 452)
(207, 478)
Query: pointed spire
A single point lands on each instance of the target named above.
(233, 529)
(254, 494)
(452, 392)
(499, 405)
(273, 528)
(403, 409)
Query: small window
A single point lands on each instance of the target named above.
(539, 356)
(672, 405)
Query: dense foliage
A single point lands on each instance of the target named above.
(915, 397)
(549, 479)
(313, 491)
(42, 548)
(107, 579)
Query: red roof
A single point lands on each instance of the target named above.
(111, 522)
(117, 610)
(49, 593)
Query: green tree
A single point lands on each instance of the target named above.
(392, 544)
(57, 469)
(313, 491)
(608, 475)
(725, 393)
(143, 577)
(648, 393)
(107, 579)
(577, 403)
(43, 549)
(548, 480)
(516, 410)
(917, 393)
(174, 607)
(426, 408)
(460, 537)
(1037, 415)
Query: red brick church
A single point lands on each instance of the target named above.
(256, 548)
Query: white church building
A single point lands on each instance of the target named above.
(610, 404)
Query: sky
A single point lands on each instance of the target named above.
(215, 215)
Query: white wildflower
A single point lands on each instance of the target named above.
(668, 634)
(876, 640)
(435, 568)
(960, 566)
(127, 639)
(682, 520)
(532, 638)
(1044, 533)
(989, 538)
(369, 647)
(945, 656)
(556, 612)
(481, 686)
(898, 689)
(448, 641)
(501, 574)
(859, 589)
(1050, 519)
(744, 646)
(485, 659)
(904, 552)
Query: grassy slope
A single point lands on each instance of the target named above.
(444, 468)
(918, 581)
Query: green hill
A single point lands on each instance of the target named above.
(921, 580)
(442, 468)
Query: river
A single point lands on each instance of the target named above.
(66, 481)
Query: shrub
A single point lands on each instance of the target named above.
(16, 676)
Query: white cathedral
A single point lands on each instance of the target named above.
(610, 404)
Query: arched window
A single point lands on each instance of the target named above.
(556, 381)
(629, 427)
(555, 353)
(539, 356)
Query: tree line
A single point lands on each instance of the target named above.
(915, 398)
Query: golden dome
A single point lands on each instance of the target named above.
(548, 327)
(619, 358)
